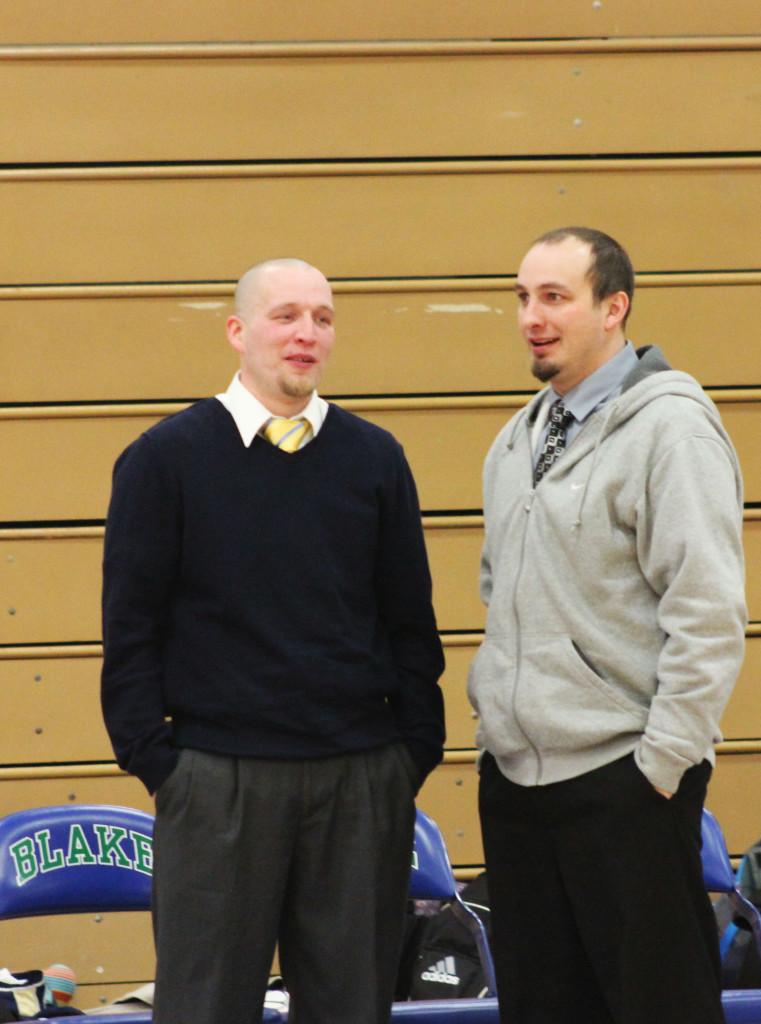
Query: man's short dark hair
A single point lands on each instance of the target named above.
(611, 269)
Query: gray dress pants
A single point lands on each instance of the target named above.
(313, 855)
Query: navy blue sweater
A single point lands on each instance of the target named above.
(271, 605)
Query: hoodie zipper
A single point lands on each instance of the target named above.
(527, 505)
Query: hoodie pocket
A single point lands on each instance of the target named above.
(564, 704)
(491, 691)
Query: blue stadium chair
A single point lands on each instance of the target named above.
(741, 1006)
(431, 878)
(75, 859)
(719, 876)
(79, 859)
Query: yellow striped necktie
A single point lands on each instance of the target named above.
(287, 435)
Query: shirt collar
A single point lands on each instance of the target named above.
(599, 387)
(251, 416)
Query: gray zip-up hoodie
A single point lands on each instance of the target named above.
(615, 589)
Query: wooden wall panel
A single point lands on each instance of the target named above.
(734, 796)
(102, 949)
(399, 220)
(450, 796)
(461, 721)
(405, 338)
(50, 589)
(16, 794)
(55, 710)
(742, 719)
(60, 468)
(48, 21)
(455, 553)
(60, 696)
(689, 323)
(742, 421)
(496, 104)
(752, 544)
(446, 447)
(52, 585)
(446, 450)
(116, 347)
(92, 997)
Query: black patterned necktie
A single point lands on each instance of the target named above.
(554, 445)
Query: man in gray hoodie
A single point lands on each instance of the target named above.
(612, 570)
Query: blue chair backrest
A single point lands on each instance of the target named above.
(431, 876)
(717, 867)
(75, 859)
(719, 877)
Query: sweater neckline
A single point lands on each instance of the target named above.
(262, 443)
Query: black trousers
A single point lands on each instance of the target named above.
(313, 854)
(599, 911)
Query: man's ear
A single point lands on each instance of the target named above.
(617, 307)
(234, 328)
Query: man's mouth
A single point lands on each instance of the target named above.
(539, 345)
(301, 360)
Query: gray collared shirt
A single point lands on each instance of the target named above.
(589, 395)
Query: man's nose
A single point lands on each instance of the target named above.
(529, 314)
(307, 330)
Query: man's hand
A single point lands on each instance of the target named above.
(663, 792)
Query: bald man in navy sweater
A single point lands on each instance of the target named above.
(270, 673)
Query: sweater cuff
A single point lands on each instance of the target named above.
(425, 758)
(660, 767)
(154, 770)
